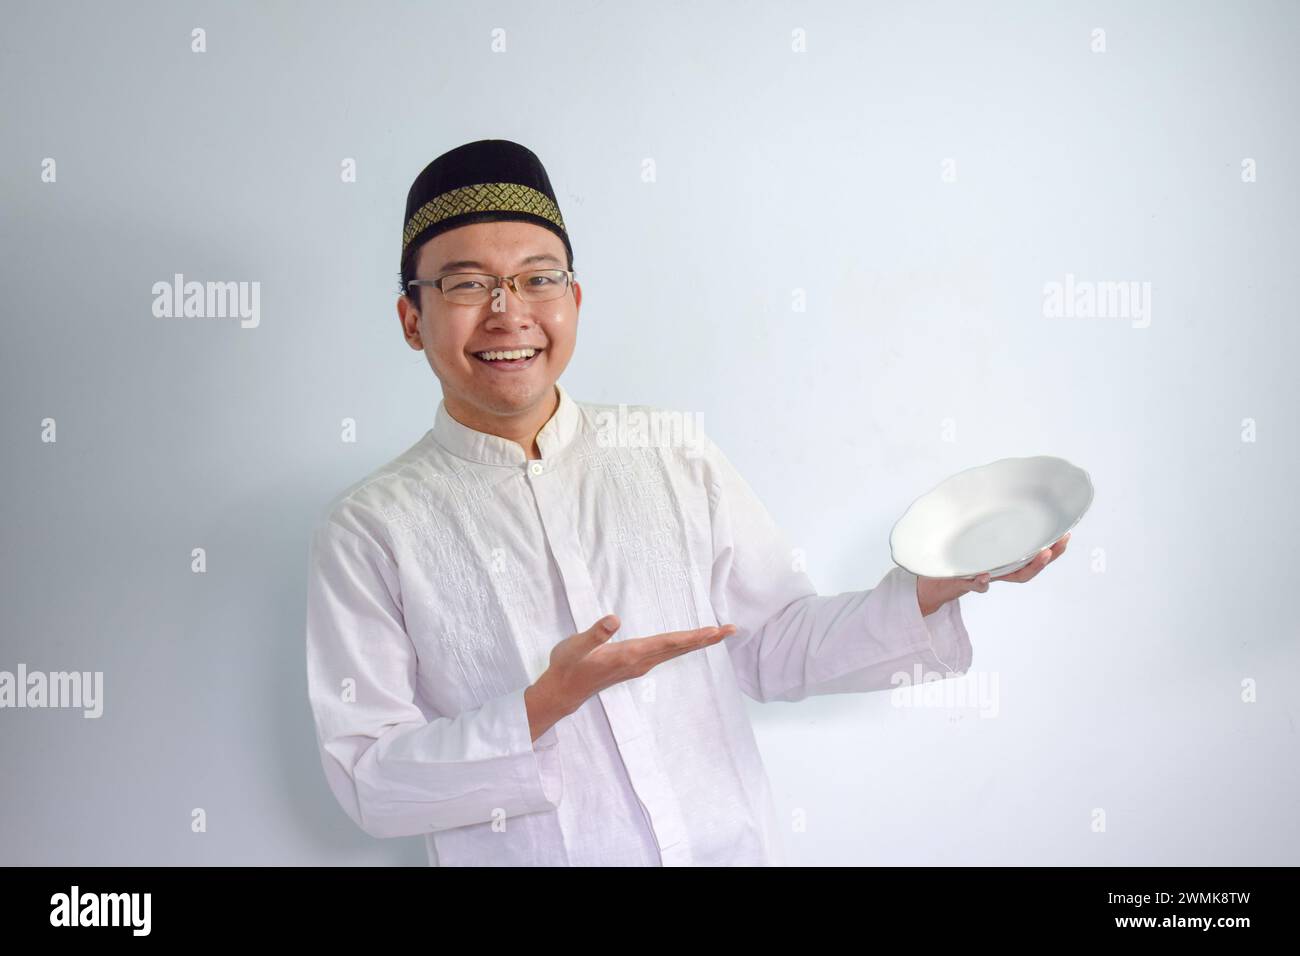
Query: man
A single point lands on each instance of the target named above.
(464, 683)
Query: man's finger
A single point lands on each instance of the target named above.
(671, 641)
(686, 640)
(701, 637)
(1039, 561)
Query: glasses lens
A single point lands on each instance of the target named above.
(471, 288)
(467, 288)
(543, 284)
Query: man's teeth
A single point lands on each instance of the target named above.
(516, 354)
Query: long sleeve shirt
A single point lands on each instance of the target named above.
(438, 585)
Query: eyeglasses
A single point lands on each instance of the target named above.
(475, 288)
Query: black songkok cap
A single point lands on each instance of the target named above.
(492, 179)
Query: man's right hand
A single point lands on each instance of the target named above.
(585, 664)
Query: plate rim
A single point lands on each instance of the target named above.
(988, 464)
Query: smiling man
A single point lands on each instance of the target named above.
(530, 645)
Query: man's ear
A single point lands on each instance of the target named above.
(409, 318)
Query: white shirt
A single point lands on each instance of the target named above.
(439, 584)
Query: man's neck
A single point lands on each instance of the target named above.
(521, 429)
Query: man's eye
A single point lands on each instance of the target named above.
(541, 280)
(466, 283)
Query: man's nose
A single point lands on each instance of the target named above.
(509, 308)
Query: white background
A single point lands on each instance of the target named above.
(1118, 689)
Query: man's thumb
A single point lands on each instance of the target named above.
(605, 627)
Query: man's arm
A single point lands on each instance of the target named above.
(394, 772)
(792, 642)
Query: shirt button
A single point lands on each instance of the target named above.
(536, 467)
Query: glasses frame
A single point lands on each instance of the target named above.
(569, 274)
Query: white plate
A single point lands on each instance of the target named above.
(991, 519)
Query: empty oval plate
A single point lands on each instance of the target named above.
(991, 519)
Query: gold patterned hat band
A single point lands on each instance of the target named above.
(488, 180)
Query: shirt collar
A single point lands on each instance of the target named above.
(464, 442)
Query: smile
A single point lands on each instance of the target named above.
(510, 359)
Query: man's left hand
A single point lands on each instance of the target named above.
(933, 593)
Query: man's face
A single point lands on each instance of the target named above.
(451, 333)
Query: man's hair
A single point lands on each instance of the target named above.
(409, 260)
